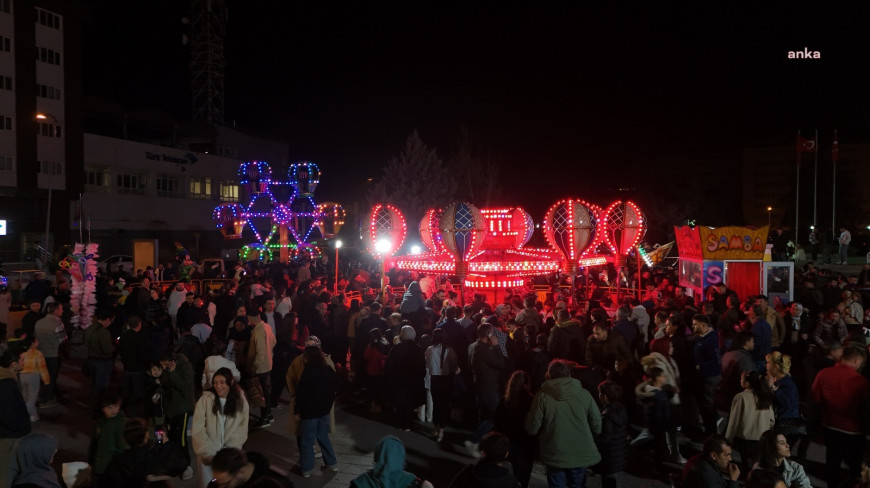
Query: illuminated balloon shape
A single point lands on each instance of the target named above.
(230, 219)
(523, 225)
(569, 227)
(462, 231)
(429, 230)
(623, 226)
(330, 218)
(255, 176)
(383, 230)
(304, 176)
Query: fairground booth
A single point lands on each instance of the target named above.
(736, 256)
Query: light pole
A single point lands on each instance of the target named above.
(383, 246)
(768, 217)
(50, 177)
(337, 247)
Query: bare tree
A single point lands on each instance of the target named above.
(477, 181)
(414, 181)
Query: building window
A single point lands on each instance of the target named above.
(5, 122)
(48, 92)
(131, 184)
(48, 19)
(200, 188)
(51, 167)
(47, 55)
(5, 44)
(98, 180)
(7, 163)
(168, 186)
(48, 129)
(229, 191)
(6, 6)
(5, 83)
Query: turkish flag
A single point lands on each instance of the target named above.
(806, 145)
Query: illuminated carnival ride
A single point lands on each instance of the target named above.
(485, 248)
(281, 221)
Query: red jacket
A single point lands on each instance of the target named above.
(842, 394)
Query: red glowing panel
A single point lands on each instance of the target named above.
(429, 232)
(386, 224)
(623, 226)
(569, 227)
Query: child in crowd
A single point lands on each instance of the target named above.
(612, 443)
(33, 369)
(375, 357)
(108, 438)
(654, 395)
(154, 394)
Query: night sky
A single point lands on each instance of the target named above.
(543, 88)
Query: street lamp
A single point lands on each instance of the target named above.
(41, 117)
(337, 247)
(415, 249)
(383, 246)
(768, 217)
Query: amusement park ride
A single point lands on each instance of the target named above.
(485, 249)
(282, 224)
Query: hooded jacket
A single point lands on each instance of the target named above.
(566, 419)
(412, 300)
(31, 462)
(389, 470)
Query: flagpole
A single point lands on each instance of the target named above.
(835, 155)
(797, 192)
(816, 181)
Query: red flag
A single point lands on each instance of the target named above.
(835, 150)
(806, 145)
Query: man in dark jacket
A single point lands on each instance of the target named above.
(14, 419)
(490, 471)
(604, 347)
(28, 322)
(566, 339)
(487, 363)
(706, 469)
(134, 349)
(101, 351)
(177, 381)
(708, 363)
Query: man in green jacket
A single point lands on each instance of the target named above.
(177, 382)
(101, 351)
(565, 419)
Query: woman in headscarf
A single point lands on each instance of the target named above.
(389, 470)
(31, 462)
(413, 307)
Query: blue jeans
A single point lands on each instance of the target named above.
(487, 404)
(315, 429)
(566, 477)
(844, 252)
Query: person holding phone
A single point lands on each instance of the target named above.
(712, 467)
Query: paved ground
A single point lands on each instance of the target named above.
(356, 434)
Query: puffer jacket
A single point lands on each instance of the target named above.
(206, 434)
(612, 443)
(565, 419)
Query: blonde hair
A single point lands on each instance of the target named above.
(782, 361)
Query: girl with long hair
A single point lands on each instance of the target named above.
(220, 419)
(751, 415)
(773, 454)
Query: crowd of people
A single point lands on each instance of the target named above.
(561, 380)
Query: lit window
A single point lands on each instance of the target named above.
(200, 188)
(229, 192)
